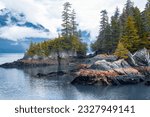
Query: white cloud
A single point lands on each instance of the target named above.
(16, 33)
(2, 5)
(48, 12)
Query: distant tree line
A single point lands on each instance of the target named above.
(128, 31)
(68, 41)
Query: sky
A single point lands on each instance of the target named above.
(48, 12)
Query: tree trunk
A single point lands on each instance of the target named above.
(58, 58)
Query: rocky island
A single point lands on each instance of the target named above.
(97, 70)
(134, 70)
(118, 55)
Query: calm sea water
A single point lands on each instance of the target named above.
(22, 84)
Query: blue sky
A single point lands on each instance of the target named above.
(48, 12)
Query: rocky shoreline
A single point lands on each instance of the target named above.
(134, 70)
(97, 70)
(27, 63)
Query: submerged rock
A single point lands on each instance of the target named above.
(52, 74)
(147, 83)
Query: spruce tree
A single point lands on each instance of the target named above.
(31, 51)
(104, 33)
(147, 18)
(115, 29)
(121, 51)
(138, 21)
(129, 8)
(146, 25)
(74, 24)
(130, 38)
(66, 15)
(127, 11)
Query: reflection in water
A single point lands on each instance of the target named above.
(22, 84)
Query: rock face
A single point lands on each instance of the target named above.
(135, 70)
(109, 58)
(140, 58)
(23, 64)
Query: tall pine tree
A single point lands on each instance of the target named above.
(127, 11)
(66, 15)
(146, 26)
(103, 43)
(130, 38)
(115, 30)
(74, 24)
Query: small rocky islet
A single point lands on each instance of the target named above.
(134, 70)
(97, 70)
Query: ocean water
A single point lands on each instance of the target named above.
(21, 84)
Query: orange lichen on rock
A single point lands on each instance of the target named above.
(97, 73)
(83, 66)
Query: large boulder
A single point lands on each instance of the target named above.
(109, 73)
(140, 58)
(109, 58)
(131, 71)
(120, 66)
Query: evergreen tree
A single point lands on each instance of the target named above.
(127, 11)
(104, 34)
(129, 8)
(147, 17)
(121, 51)
(44, 49)
(138, 21)
(74, 24)
(129, 30)
(32, 50)
(146, 26)
(115, 29)
(130, 38)
(66, 15)
(107, 41)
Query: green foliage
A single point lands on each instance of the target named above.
(40, 49)
(66, 15)
(69, 25)
(146, 25)
(121, 51)
(130, 38)
(115, 30)
(57, 45)
(94, 46)
(109, 34)
(131, 29)
(103, 43)
(32, 49)
(68, 42)
(74, 24)
(81, 52)
(138, 21)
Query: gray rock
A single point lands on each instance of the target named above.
(120, 66)
(101, 65)
(109, 58)
(135, 70)
(35, 57)
(140, 58)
